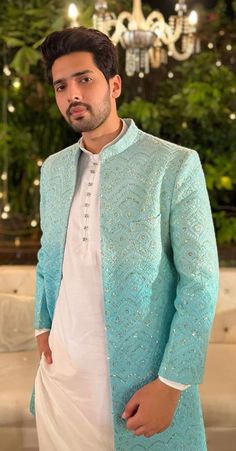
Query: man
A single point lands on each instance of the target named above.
(127, 273)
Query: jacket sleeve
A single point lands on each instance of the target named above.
(42, 319)
(196, 261)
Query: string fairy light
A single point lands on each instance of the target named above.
(33, 223)
(4, 176)
(11, 108)
(7, 208)
(16, 83)
(6, 70)
(17, 241)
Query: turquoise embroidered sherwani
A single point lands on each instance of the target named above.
(159, 271)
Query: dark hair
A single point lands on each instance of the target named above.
(81, 39)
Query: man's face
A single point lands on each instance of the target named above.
(83, 95)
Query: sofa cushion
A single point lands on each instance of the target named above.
(17, 374)
(218, 391)
(17, 279)
(16, 323)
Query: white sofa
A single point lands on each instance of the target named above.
(19, 360)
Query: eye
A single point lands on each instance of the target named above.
(59, 88)
(85, 79)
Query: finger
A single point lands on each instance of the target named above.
(48, 355)
(140, 430)
(134, 422)
(143, 431)
(148, 434)
(130, 409)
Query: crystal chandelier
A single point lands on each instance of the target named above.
(151, 40)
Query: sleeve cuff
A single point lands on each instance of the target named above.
(173, 384)
(40, 331)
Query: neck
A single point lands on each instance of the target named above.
(95, 140)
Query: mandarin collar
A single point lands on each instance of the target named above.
(119, 144)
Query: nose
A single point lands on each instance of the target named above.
(73, 92)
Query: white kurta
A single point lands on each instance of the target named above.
(72, 395)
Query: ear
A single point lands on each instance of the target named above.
(115, 86)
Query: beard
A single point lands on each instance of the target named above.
(93, 118)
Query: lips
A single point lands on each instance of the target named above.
(77, 111)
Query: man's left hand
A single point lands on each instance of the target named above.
(151, 408)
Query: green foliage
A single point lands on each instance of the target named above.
(145, 113)
(226, 227)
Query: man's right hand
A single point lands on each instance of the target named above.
(43, 346)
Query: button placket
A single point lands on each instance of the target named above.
(88, 200)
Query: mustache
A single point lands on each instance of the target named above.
(74, 104)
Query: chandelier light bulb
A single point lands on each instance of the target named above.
(170, 75)
(193, 18)
(73, 12)
(36, 182)
(210, 45)
(4, 215)
(181, 7)
(218, 63)
(33, 223)
(232, 116)
(6, 70)
(229, 47)
(101, 5)
(39, 163)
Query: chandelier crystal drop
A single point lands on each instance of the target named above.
(149, 41)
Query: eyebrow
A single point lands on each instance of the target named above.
(76, 74)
